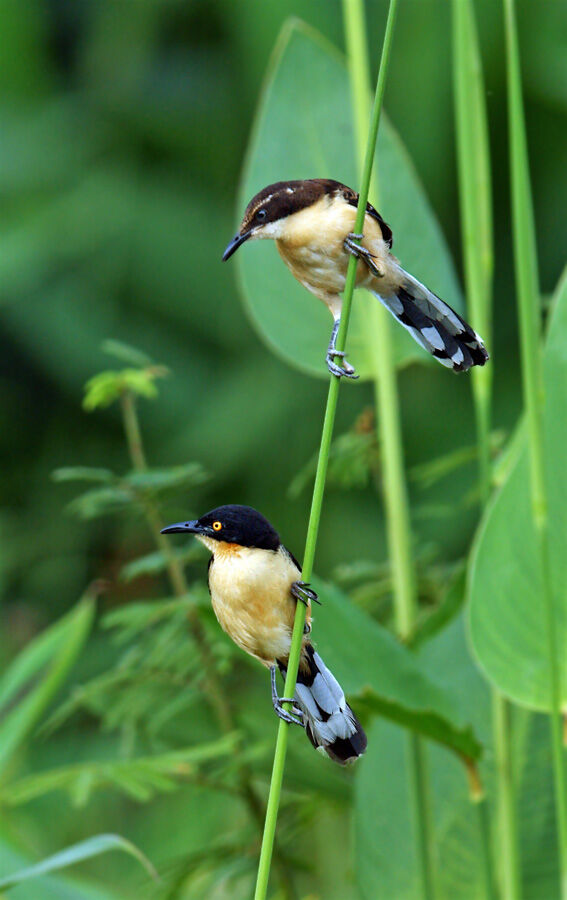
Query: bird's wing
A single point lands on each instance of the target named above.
(293, 559)
(352, 198)
(384, 227)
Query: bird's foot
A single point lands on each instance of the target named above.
(355, 249)
(295, 717)
(346, 370)
(302, 591)
(281, 713)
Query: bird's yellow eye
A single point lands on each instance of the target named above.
(217, 526)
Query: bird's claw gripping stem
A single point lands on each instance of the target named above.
(346, 369)
(292, 718)
(355, 249)
(303, 592)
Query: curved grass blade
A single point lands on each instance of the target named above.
(77, 853)
(44, 663)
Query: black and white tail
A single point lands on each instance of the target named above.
(434, 325)
(329, 721)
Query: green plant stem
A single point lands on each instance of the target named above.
(398, 525)
(174, 568)
(421, 799)
(385, 386)
(483, 815)
(476, 215)
(473, 166)
(320, 477)
(180, 588)
(509, 854)
(529, 307)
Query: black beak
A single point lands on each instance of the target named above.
(191, 527)
(235, 244)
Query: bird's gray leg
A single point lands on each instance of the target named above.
(346, 368)
(355, 249)
(297, 718)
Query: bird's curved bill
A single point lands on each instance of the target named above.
(235, 244)
(191, 527)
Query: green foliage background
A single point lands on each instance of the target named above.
(124, 129)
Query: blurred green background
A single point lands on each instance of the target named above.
(124, 125)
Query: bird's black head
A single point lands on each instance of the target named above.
(233, 524)
(274, 203)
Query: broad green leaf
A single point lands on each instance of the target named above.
(387, 864)
(507, 618)
(139, 778)
(77, 853)
(536, 808)
(387, 859)
(40, 670)
(387, 677)
(309, 134)
(63, 886)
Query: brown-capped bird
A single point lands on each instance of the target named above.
(312, 223)
(255, 584)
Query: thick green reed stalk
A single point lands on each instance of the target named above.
(473, 164)
(529, 311)
(394, 483)
(320, 477)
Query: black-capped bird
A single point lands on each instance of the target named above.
(255, 584)
(312, 223)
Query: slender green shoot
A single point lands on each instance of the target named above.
(174, 568)
(473, 165)
(475, 194)
(508, 837)
(396, 502)
(320, 477)
(529, 308)
(483, 814)
(511, 885)
(421, 801)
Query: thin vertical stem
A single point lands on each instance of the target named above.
(509, 853)
(473, 166)
(483, 815)
(398, 525)
(320, 477)
(473, 159)
(422, 806)
(295, 650)
(529, 307)
(173, 567)
(180, 588)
